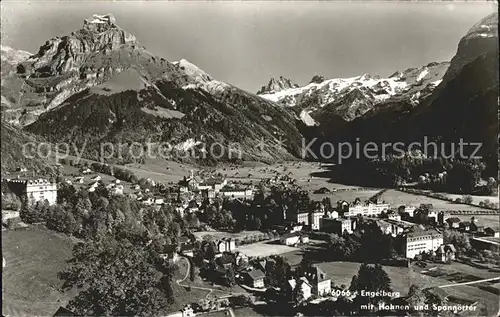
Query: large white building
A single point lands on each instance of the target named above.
(369, 209)
(338, 225)
(315, 219)
(300, 218)
(419, 240)
(214, 184)
(235, 192)
(34, 189)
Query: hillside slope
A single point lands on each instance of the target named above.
(108, 88)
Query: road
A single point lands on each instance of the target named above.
(210, 290)
(469, 283)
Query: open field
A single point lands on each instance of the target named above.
(397, 198)
(246, 312)
(69, 171)
(348, 196)
(158, 170)
(161, 170)
(301, 171)
(30, 284)
(265, 249)
(252, 172)
(484, 220)
(217, 235)
(475, 199)
(487, 302)
(402, 278)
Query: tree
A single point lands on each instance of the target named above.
(370, 278)
(459, 239)
(241, 300)
(114, 278)
(230, 276)
(62, 220)
(416, 298)
(257, 224)
(10, 202)
(467, 199)
(304, 266)
(298, 293)
(29, 212)
(278, 273)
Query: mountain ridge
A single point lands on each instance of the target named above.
(116, 91)
(354, 96)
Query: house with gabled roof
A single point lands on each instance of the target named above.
(453, 222)
(254, 278)
(321, 284)
(446, 253)
(304, 285)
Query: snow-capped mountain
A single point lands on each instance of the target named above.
(462, 108)
(275, 85)
(100, 84)
(353, 97)
(11, 57)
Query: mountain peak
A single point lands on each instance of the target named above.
(100, 19)
(487, 27)
(275, 85)
(99, 22)
(66, 54)
(317, 79)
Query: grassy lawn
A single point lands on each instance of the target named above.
(30, 284)
(264, 249)
(157, 169)
(483, 220)
(475, 199)
(487, 302)
(341, 273)
(397, 198)
(246, 311)
(217, 235)
(348, 196)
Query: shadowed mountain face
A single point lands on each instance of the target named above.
(99, 84)
(464, 104)
(15, 156)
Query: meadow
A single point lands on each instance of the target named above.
(29, 280)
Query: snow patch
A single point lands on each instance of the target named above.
(186, 145)
(101, 19)
(437, 82)
(422, 74)
(307, 119)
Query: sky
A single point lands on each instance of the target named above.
(247, 43)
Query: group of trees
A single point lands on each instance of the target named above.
(370, 278)
(10, 201)
(117, 278)
(268, 208)
(271, 205)
(117, 267)
(218, 217)
(459, 239)
(371, 245)
(462, 176)
(278, 272)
